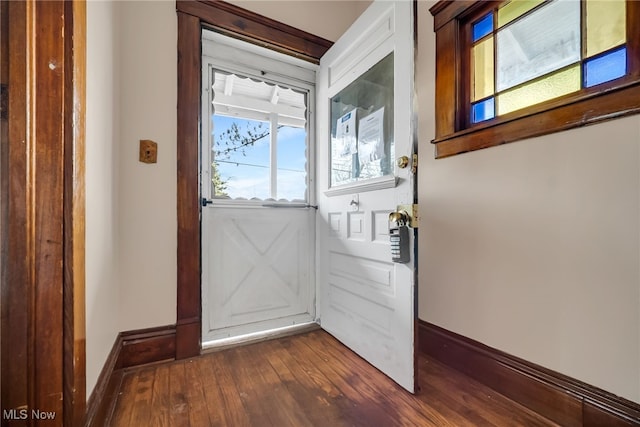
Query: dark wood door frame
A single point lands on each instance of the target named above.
(43, 322)
(240, 23)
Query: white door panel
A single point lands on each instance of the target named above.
(366, 300)
(259, 261)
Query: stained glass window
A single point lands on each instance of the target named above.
(526, 52)
(483, 27)
(605, 68)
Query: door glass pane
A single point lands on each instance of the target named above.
(546, 40)
(550, 87)
(606, 25)
(292, 163)
(362, 126)
(241, 156)
(259, 139)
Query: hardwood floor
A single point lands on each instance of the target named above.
(304, 380)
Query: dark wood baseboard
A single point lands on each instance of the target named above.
(131, 348)
(99, 405)
(562, 399)
(145, 346)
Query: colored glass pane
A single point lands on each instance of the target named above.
(606, 25)
(550, 87)
(483, 27)
(483, 110)
(543, 41)
(482, 55)
(605, 68)
(514, 9)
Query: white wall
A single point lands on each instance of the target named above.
(325, 18)
(533, 247)
(102, 279)
(147, 201)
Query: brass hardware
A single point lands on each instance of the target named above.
(414, 163)
(402, 162)
(412, 212)
(399, 216)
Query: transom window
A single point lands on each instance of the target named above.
(509, 70)
(527, 52)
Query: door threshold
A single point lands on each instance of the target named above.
(240, 340)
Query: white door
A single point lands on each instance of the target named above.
(365, 121)
(258, 235)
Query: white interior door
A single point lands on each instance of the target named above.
(365, 122)
(258, 234)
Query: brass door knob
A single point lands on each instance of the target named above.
(399, 217)
(402, 162)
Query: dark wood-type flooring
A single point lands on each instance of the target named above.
(304, 380)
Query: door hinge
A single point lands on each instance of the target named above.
(414, 163)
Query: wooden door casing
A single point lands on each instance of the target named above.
(233, 20)
(43, 341)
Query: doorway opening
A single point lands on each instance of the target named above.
(257, 187)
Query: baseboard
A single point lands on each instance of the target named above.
(145, 346)
(559, 398)
(131, 348)
(99, 405)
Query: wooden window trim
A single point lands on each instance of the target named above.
(240, 23)
(615, 99)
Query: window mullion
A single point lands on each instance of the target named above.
(273, 162)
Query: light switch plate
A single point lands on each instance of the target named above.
(148, 151)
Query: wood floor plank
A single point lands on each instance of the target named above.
(232, 410)
(305, 380)
(160, 398)
(281, 398)
(476, 400)
(480, 405)
(250, 392)
(322, 401)
(409, 406)
(369, 407)
(123, 408)
(283, 410)
(142, 401)
(178, 404)
(198, 411)
(213, 398)
(342, 403)
(445, 402)
(405, 408)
